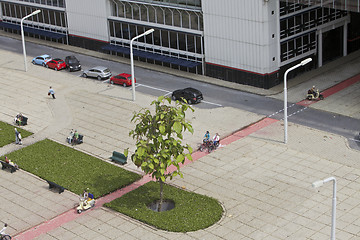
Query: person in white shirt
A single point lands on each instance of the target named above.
(2, 232)
(216, 139)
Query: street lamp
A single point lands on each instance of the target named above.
(132, 60)
(333, 218)
(304, 62)
(22, 34)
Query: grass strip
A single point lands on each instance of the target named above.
(72, 169)
(7, 133)
(192, 211)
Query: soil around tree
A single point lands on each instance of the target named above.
(166, 205)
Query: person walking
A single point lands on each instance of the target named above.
(16, 136)
(20, 138)
(52, 92)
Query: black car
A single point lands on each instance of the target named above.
(72, 63)
(191, 95)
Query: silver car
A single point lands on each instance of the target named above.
(98, 72)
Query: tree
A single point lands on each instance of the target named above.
(159, 140)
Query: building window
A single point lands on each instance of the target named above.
(171, 16)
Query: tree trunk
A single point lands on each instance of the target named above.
(161, 195)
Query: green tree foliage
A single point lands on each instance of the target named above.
(159, 140)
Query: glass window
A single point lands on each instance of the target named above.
(176, 18)
(190, 43)
(165, 35)
(182, 41)
(173, 40)
(152, 14)
(168, 17)
(160, 15)
(143, 13)
(185, 19)
(135, 12)
(111, 28)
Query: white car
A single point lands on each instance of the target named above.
(98, 72)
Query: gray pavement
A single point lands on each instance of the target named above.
(264, 185)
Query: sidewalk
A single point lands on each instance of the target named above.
(264, 185)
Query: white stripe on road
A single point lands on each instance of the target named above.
(354, 140)
(159, 89)
(212, 103)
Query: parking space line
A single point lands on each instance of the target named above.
(216, 104)
(159, 89)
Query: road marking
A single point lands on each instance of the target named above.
(212, 103)
(354, 140)
(297, 111)
(281, 110)
(159, 89)
(105, 81)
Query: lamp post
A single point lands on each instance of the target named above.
(132, 60)
(306, 61)
(22, 34)
(333, 218)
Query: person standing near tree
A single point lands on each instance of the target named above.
(52, 92)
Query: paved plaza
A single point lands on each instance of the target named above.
(263, 185)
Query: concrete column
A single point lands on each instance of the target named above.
(345, 33)
(320, 49)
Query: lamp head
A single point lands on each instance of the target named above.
(306, 61)
(318, 184)
(149, 31)
(37, 11)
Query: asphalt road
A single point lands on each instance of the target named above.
(157, 84)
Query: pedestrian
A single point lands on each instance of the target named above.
(52, 92)
(19, 136)
(16, 136)
(2, 231)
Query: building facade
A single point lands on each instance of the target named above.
(249, 42)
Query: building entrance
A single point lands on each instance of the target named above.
(332, 44)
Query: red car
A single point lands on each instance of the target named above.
(56, 64)
(122, 79)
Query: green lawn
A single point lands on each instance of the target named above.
(192, 211)
(7, 133)
(71, 169)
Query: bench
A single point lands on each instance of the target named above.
(79, 140)
(54, 185)
(118, 158)
(23, 121)
(8, 165)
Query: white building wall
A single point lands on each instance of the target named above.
(88, 18)
(238, 34)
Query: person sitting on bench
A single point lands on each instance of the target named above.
(18, 119)
(71, 136)
(75, 138)
(11, 162)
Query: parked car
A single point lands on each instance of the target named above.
(72, 63)
(98, 72)
(122, 79)
(191, 95)
(41, 60)
(56, 64)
